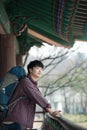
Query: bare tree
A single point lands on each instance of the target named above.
(72, 81)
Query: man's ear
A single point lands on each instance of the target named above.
(30, 70)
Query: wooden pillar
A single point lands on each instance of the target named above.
(19, 59)
(7, 53)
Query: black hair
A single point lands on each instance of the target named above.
(35, 63)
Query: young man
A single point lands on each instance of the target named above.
(22, 114)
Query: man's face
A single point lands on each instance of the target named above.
(36, 72)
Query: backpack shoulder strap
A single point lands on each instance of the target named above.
(12, 105)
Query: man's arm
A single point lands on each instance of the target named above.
(33, 93)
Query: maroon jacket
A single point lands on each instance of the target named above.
(24, 111)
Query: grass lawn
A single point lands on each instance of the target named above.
(78, 119)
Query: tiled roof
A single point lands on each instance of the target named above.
(61, 21)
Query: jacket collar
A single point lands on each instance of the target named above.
(34, 82)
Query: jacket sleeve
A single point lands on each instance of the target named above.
(34, 94)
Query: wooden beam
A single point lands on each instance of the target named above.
(45, 39)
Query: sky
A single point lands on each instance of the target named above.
(75, 54)
(44, 50)
(79, 46)
(79, 49)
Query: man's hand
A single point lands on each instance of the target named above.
(56, 113)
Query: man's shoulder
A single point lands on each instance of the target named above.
(25, 79)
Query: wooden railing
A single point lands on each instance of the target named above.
(59, 123)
